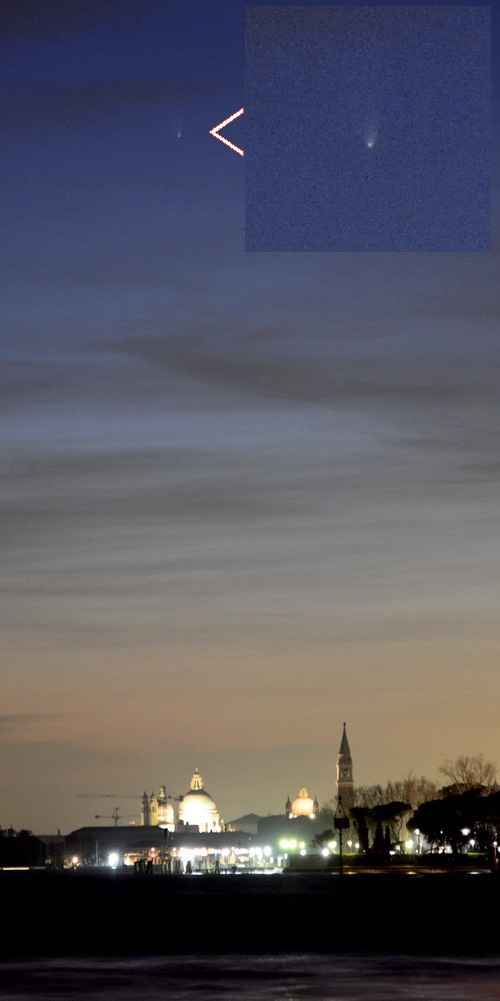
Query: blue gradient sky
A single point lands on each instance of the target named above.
(244, 497)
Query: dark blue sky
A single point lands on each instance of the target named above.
(244, 496)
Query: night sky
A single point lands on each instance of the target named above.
(244, 496)
(382, 114)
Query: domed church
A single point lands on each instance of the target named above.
(198, 809)
(158, 811)
(303, 805)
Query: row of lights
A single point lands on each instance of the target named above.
(260, 854)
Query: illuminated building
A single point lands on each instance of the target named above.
(303, 805)
(158, 811)
(122, 847)
(197, 808)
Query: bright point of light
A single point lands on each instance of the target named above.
(303, 851)
(472, 842)
(75, 860)
(349, 844)
(371, 134)
(289, 843)
(325, 852)
(409, 845)
(113, 859)
(465, 831)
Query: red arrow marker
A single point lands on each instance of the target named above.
(215, 132)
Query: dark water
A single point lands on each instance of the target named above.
(284, 978)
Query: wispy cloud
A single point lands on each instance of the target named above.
(15, 719)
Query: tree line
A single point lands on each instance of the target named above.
(463, 814)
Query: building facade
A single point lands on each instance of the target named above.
(158, 810)
(197, 809)
(302, 806)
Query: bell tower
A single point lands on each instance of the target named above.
(345, 785)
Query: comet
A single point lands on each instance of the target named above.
(370, 132)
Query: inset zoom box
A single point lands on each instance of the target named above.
(368, 128)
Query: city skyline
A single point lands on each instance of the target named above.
(244, 496)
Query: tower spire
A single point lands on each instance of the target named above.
(344, 748)
(345, 784)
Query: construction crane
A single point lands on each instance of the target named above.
(115, 816)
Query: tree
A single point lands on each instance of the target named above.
(360, 816)
(322, 840)
(369, 796)
(378, 841)
(326, 814)
(452, 819)
(469, 772)
(413, 789)
(393, 815)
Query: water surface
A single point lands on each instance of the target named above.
(284, 978)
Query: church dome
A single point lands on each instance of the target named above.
(303, 805)
(198, 809)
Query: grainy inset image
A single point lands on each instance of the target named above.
(368, 128)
